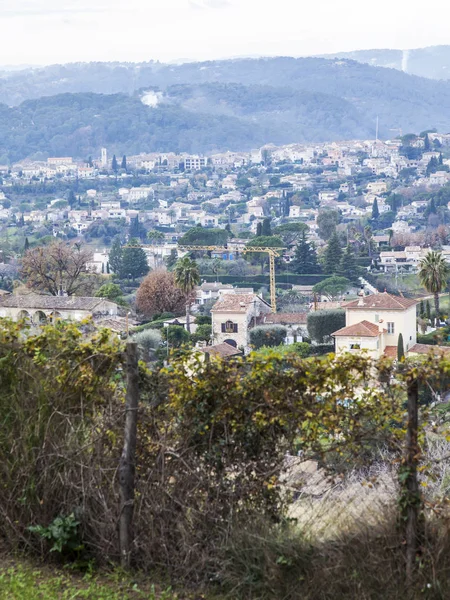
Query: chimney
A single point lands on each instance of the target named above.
(361, 301)
(380, 326)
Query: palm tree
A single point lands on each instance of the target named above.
(433, 274)
(187, 276)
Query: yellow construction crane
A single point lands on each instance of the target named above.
(272, 252)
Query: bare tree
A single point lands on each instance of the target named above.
(55, 269)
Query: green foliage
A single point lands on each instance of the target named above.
(348, 266)
(148, 341)
(186, 274)
(115, 256)
(266, 229)
(333, 255)
(332, 286)
(202, 333)
(133, 262)
(327, 220)
(63, 534)
(202, 236)
(267, 336)
(322, 323)
(305, 258)
(400, 348)
(375, 210)
(291, 232)
(176, 335)
(110, 291)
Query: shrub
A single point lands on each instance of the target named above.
(267, 336)
(148, 341)
(322, 323)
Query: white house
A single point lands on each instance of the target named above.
(374, 323)
(234, 315)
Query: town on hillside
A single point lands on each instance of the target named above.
(320, 246)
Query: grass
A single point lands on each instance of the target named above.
(23, 581)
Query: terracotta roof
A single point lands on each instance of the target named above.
(426, 349)
(382, 301)
(286, 318)
(391, 351)
(363, 329)
(235, 302)
(36, 301)
(223, 350)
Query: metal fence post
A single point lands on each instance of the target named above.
(127, 466)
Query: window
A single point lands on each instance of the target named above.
(377, 318)
(355, 346)
(391, 327)
(229, 327)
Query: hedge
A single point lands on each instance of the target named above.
(258, 280)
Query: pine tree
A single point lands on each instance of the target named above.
(114, 165)
(400, 348)
(134, 261)
(115, 256)
(333, 254)
(348, 267)
(305, 259)
(124, 163)
(375, 211)
(259, 229)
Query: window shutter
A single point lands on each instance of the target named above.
(223, 327)
(235, 327)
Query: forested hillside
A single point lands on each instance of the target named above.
(202, 107)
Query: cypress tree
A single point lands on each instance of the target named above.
(124, 163)
(333, 254)
(428, 310)
(422, 309)
(259, 229)
(72, 200)
(114, 165)
(375, 210)
(426, 145)
(107, 268)
(266, 228)
(26, 245)
(400, 349)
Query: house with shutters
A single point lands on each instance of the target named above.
(374, 323)
(233, 315)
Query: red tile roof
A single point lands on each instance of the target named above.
(223, 350)
(286, 318)
(426, 349)
(362, 329)
(235, 302)
(382, 301)
(391, 351)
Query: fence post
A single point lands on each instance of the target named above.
(127, 466)
(412, 501)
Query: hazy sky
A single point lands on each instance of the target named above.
(56, 31)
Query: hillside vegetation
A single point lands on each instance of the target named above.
(200, 107)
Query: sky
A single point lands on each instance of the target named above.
(58, 31)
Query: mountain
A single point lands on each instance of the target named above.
(200, 107)
(432, 62)
(201, 118)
